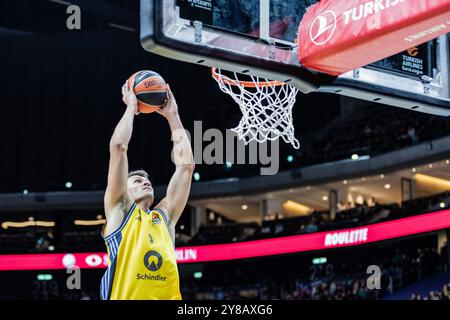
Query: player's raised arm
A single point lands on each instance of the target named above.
(180, 183)
(116, 191)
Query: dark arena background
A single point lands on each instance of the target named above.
(360, 212)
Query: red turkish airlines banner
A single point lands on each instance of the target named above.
(337, 36)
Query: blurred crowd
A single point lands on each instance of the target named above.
(327, 282)
(442, 294)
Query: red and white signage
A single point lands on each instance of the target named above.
(249, 249)
(53, 261)
(337, 36)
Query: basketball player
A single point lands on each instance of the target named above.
(140, 238)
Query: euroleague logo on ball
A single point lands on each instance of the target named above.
(323, 27)
(155, 83)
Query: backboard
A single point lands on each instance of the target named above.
(258, 37)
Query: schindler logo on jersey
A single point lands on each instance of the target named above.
(346, 237)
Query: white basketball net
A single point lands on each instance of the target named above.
(266, 108)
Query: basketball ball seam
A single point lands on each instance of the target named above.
(149, 105)
(156, 91)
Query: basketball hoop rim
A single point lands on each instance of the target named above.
(245, 84)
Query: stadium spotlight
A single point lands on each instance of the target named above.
(68, 184)
(345, 182)
(387, 186)
(25, 191)
(198, 275)
(290, 158)
(244, 207)
(51, 248)
(325, 198)
(414, 170)
(447, 161)
(355, 156)
(228, 164)
(442, 205)
(196, 176)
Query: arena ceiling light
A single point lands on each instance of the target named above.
(89, 222)
(419, 177)
(24, 224)
(296, 208)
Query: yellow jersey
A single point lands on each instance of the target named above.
(141, 254)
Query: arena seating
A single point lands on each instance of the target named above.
(339, 283)
(355, 217)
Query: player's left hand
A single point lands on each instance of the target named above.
(170, 107)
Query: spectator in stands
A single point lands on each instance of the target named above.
(420, 263)
(445, 292)
(444, 255)
(312, 225)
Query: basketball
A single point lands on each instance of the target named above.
(150, 89)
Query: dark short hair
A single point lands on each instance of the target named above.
(141, 173)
